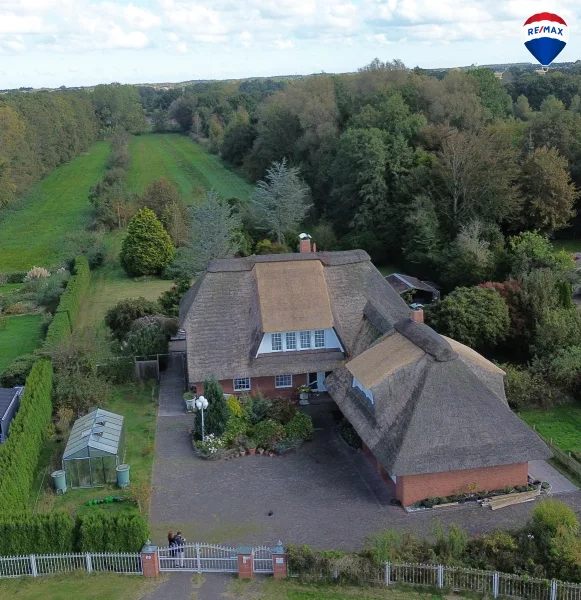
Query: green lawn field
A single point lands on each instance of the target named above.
(567, 245)
(21, 336)
(183, 162)
(561, 423)
(30, 235)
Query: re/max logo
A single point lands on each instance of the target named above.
(545, 29)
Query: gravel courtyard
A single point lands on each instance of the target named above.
(325, 495)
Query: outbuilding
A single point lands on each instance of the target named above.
(95, 448)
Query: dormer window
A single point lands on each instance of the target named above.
(276, 342)
(291, 340)
(319, 338)
(296, 341)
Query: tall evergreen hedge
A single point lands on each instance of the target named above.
(69, 306)
(57, 533)
(19, 455)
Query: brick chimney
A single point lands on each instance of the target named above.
(305, 243)
(417, 315)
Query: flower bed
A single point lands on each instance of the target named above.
(255, 425)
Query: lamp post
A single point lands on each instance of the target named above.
(201, 405)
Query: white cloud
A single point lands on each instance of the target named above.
(284, 44)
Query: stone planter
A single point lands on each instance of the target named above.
(190, 405)
(304, 398)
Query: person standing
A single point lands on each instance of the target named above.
(171, 544)
(179, 542)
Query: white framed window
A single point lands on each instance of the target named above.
(241, 384)
(319, 338)
(276, 340)
(283, 381)
(291, 340)
(305, 339)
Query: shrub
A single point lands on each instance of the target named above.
(287, 445)
(15, 276)
(236, 426)
(282, 410)
(17, 371)
(19, 455)
(36, 273)
(58, 331)
(217, 413)
(299, 427)
(170, 299)
(268, 247)
(348, 433)
(147, 248)
(266, 433)
(551, 515)
(147, 341)
(235, 407)
(256, 407)
(121, 317)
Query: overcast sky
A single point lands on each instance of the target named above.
(84, 42)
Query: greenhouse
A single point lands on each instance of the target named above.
(95, 448)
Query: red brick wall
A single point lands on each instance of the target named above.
(411, 488)
(378, 467)
(266, 385)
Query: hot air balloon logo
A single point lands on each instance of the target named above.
(545, 35)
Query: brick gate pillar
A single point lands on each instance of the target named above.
(245, 562)
(149, 560)
(279, 562)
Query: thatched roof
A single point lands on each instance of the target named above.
(303, 307)
(229, 308)
(439, 409)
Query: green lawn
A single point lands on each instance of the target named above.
(185, 163)
(562, 424)
(21, 336)
(6, 288)
(137, 405)
(270, 589)
(31, 233)
(80, 586)
(109, 284)
(386, 270)
(567, 245)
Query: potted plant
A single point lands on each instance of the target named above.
(251, 446)
(304, 391)
(189, 400)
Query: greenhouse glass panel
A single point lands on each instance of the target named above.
(109, 469)
(84, 470)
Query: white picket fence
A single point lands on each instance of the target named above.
(45, 564)
(458, 579)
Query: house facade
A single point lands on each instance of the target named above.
(431, 412)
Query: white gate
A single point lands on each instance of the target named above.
(262, 556)
(200, 558)
(210, 558)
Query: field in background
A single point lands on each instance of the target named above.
(561, 423)
(21, 336)
(31, 234)
(183, 162)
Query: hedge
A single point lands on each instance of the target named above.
(67, 312)
(57, 533)
(19, 455)
(51, 533)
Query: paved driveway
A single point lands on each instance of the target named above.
(326, 495)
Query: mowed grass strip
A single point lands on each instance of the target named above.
(185, 163)
(562, 424)
(21, 336)
(31, 234)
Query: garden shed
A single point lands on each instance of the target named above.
(95, 448)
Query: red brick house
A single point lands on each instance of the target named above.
(431, 412)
